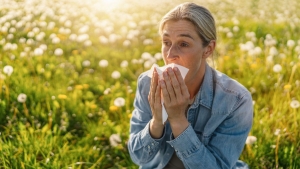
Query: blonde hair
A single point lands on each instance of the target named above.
(199, 16)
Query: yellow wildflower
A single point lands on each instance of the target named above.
(226, 58)
(93, 106)
(287, 87)
(85, 86)
(113, 108)
(75, 52)
(253, 65)
(130, 115)
(78, 87)
(62, 96)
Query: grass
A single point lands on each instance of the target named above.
(69, 116)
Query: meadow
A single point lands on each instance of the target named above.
(69, 68)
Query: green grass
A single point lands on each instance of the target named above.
(69, 113)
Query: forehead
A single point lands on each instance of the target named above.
(180, 27)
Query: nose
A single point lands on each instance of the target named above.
(172, 53)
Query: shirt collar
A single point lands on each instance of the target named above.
(205, 94)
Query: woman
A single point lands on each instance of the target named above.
(209, 114)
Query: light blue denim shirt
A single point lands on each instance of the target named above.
(220, 119)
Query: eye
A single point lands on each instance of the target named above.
(167, 43)
(184, 44)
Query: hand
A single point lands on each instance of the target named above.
(176, 99)
(154, 98)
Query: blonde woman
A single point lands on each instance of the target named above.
(209, 114)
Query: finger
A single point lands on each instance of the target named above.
(164, 91)
(183, 88)
(154, 83)
(175, 84)
(157, 96)
(169, 82)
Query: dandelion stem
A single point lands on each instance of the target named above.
(25, 110)
(295, 121)
(276, 150)
(97, 162)
(292, 74)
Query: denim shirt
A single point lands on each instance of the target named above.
(219, 122)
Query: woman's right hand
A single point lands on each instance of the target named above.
(154, 98)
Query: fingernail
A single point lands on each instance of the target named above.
(176, 69)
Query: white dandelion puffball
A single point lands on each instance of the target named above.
(86, 63)
(158, 56)
(58, 52)
(22, 98)
(8, 70)
(251, 140)
(277, 132)
(290, 43)
(103, 63)
(277, 68)
(38, 52)
(116, 74)
(119, 102)
(124, 64)
(115, 140)
(295, 104)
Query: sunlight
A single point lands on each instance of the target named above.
(108, 5)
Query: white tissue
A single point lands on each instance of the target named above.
(183, 72)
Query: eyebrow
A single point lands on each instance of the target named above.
(180, 35)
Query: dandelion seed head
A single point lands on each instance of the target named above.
(229, 34)
(22, 98)
(116, 74)
(158, 56)
(273, 51)
(277, 68)
(124, 64)
(58, 52)
(10, 36)
(148, 42)
(290, 43)
(295, 104)
(106, 91)
(251, 140)
(103, 40)
(277, 132)
(38, 52)
(8, 70)
(146, 56)
(103, 63)
(86, 63)
(126, 43)
(115, 140)
(236, 29)
(55, 40)
(119, 102)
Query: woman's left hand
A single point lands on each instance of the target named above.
(176, 97)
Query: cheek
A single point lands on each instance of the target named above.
(164, 53)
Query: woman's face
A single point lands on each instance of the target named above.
(182, 45)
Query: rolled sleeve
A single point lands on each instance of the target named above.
(186, 143)
(151, 145)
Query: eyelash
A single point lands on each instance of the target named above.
(183, 44)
